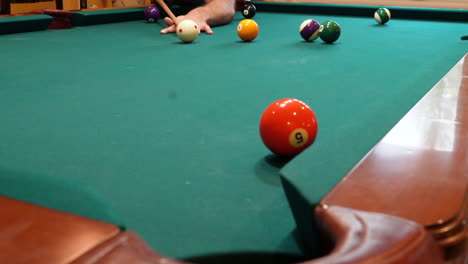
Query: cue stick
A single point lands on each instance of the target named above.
(168, 11)
(464, 37)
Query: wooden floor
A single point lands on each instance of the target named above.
(450, 4)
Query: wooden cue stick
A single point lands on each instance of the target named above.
(168, 11)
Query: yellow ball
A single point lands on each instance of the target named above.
(247, 30)
(187, 31)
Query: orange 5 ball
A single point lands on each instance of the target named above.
(247, 30)
(288, 126)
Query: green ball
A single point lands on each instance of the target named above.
(382, 15)
(330, 31)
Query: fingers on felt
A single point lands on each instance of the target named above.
(208, 29)
(170, 29)
(171, 26)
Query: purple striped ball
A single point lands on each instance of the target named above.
(310, 29)
(151, 14)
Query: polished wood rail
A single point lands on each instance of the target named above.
(34, 234)
(418, 171)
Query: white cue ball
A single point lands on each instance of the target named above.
(187, 31)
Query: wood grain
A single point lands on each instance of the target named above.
(22, 8)
(71, 4)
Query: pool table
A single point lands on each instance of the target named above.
(157, 141)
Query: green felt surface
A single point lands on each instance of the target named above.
(366, 89)
(162, 137)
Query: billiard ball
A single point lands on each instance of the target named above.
(249, 10)
(151, 14)
(248, 3)
(247, 30)
(187, 31)
(288, 126)
(310, 29)
(330, 31)
(382, 15)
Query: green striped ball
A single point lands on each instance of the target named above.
(382, 15)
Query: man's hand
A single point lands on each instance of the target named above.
(213, 13)
(171, 27)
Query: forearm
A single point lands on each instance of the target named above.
(213, 13)
(216, 12)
